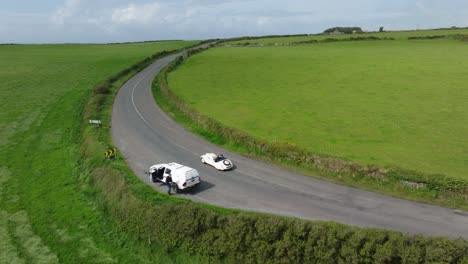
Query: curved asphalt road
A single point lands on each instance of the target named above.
(145, 136)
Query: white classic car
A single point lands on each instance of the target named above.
(217, 161)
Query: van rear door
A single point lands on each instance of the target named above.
(192, 177)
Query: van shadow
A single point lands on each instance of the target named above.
(204, 185)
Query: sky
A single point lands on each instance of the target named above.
(103, 21)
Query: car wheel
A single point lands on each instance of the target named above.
(203, 160)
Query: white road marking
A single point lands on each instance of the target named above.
(144, 120)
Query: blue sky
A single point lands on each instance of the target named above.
(97, 21)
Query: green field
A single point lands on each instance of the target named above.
(47, 214)
(389, 103)
(399, 35)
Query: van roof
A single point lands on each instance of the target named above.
(178, 167)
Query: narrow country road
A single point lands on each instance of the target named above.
(145, 136)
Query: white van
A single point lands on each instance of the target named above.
(183, 177)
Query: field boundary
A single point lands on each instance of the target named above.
(331, 36)
(307, 42)
(430, 188)
(331, 39)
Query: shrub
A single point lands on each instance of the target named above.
(345, 30)
(102, 88)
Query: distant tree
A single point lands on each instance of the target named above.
(344, 30)
(381, 29)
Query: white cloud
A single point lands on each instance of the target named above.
(263, 20)
(142, 14)
(60, 15)
(423, 9)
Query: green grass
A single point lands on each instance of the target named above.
(388, 103)
(47, 213)
(399, 35)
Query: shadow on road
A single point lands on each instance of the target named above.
(204, 185)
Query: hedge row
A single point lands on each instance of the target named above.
(305, 35)
(342, 39)
(454, 36)
(312, 41)
(259, 238)
(286, 151)
(428, 37)
(265, 36)
(272, 36)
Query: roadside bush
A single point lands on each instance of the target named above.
(102, 88)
